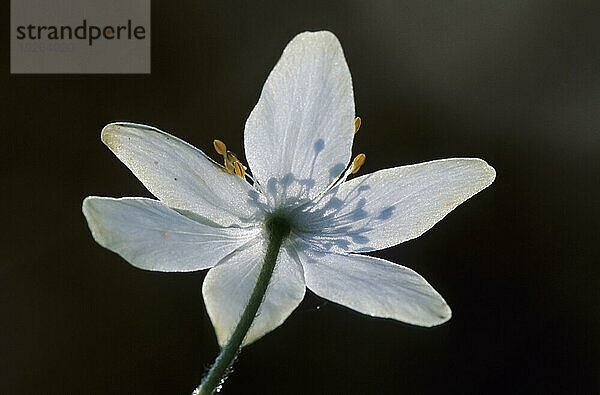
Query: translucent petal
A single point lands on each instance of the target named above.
(180, 175)
(151, 236)
(390, 206)
(299, 136)
(374, 286)
(227, 288)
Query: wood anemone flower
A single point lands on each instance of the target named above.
(297, 205)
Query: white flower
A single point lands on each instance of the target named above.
(298, 142)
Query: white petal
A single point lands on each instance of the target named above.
(388, 207)
(228, 286)
(151, 236)
(299, 135)
(180, 175)
(374, 287)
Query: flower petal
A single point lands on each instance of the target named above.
(388, 207)
(228, 285)
(299, 136)
(179, 174)
(375, 287)
(151, 236)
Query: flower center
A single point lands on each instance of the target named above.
(277, 201)
(277, 224)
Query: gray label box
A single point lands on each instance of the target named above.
(80, 36)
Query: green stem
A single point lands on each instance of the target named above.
(278, 229)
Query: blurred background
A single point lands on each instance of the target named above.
(514, 82)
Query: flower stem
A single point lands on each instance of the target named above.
(278, 229)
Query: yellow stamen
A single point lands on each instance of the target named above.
(357, 163)
(229, 167)
(230, 161)
(220, 147)
(231, 157)
(239, 169)
(357, 123)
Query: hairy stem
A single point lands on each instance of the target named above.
(278, 229)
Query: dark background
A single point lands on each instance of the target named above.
(514, 82)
